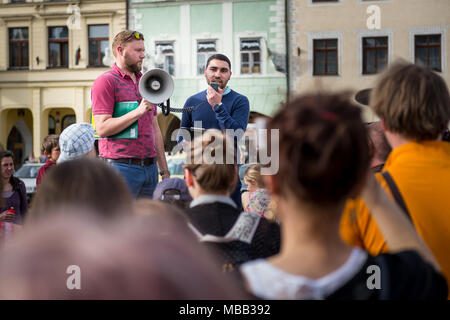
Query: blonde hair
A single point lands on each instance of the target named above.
(209, 162)
(253, 175)
(412, 100)
(123, 37)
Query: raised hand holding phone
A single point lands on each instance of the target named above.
(215, 85)
(214, 97)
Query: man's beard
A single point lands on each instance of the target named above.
(132, 67)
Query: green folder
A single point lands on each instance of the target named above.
(121, 108)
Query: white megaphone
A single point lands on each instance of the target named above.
(156, 86)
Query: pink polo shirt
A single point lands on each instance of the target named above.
(116, 86)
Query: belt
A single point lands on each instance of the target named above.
(139, 162)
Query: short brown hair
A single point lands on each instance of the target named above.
(323, 153)
(124, 37)
(85, 183)
(412, 100)
(50, 142)
(217, 177)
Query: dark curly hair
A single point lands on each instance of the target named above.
(324, 154)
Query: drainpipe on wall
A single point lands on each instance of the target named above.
(286, 24)
(126, 14)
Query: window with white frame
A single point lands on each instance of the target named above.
(18, 48)
(165, 54)
(205, 49)
(250, 56)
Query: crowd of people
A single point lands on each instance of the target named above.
(355, 212)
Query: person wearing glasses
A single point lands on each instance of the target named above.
(135, 157)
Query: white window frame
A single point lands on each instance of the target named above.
(62, 23)
(373, 1)
(374, 33)
(320, 36)
(323, 4)
(151, 49)
(424, 31)
(23, 23)
(236, 66)
(203, 37)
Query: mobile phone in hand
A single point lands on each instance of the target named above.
(215, 86)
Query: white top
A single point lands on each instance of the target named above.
(268, 282)
(211, 198)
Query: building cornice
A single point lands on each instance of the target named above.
(168, 3)
(55, 4)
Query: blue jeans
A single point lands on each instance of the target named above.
(141, 180)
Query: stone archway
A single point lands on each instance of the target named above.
(20, 141)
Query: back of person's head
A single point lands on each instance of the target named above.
(380, 148)
(173, 191)
(75, 141)
(49, 143)
(412, 100)
(253, 175)
(218, 56)
(323, 149)
(129, 259)
(85, 183)
(212, 160)
(160, 210)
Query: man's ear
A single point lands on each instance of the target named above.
(189, 178)
(120, 50)
(271, 183)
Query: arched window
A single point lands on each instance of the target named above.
(51, 125)
(67, 121)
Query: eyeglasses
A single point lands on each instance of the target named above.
(136, 35)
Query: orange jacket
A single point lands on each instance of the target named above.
(421, 171)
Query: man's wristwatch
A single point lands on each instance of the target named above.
(216, 106)
(163, 172)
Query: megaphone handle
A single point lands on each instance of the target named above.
(166, 108)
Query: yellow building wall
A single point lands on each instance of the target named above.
(45, 91)
(347, 21)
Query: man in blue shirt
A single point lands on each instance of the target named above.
(222, 109)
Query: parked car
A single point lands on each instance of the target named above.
(175, 165)
(28, 173)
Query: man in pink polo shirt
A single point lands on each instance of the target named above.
(135, 158)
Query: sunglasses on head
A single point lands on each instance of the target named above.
(136, 35)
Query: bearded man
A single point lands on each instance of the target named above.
(134, 156)
(218, 108)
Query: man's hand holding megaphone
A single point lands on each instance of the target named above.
(144, 107)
